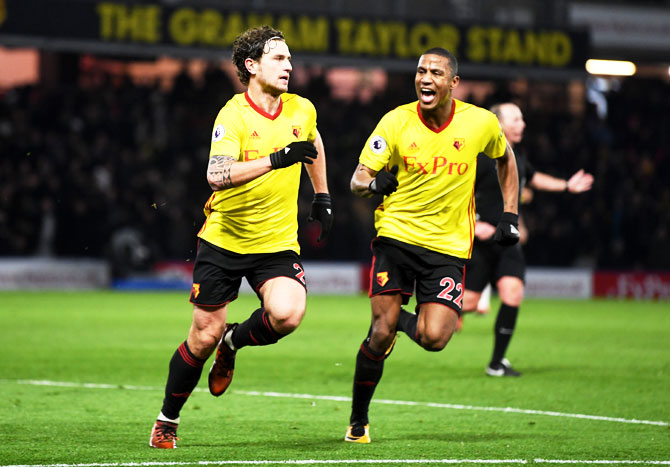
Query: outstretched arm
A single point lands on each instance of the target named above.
(578, 183)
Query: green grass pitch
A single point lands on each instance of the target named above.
(596, 386)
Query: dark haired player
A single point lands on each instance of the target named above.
(260, 141)
(422, 157)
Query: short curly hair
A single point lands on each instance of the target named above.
(251, 44)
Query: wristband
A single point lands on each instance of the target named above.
(510, 217)
(275, 159)
(322, 197)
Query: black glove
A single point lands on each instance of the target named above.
(507, 230)
(298, 151)
(322, 211)
(385, 182)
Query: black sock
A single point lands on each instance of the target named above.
(256, 330)
(369, 369)
(504, 328)
(407, 323)
(183, 377)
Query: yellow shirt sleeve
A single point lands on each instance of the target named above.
(227, 135)
(379, 147)
(498, 143)
(311, 111)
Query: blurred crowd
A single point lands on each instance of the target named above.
(624, 222)
(117, 170)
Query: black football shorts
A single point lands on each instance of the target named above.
(218, 273)
(399, 267)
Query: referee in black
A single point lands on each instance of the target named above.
(504, 266)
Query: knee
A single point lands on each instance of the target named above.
(286, 318)
(434, 342)
(512, 296)
(436, 338)
(382, 336)
(202, 342)
(510, 290)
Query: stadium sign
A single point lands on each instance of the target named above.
(636, 285)
(155, 28)
(53, 274)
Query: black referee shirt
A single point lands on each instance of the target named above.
(488, 197)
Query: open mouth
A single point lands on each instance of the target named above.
(427, 95)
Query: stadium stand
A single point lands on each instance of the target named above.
(88, 170)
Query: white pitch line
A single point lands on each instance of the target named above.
(349, 462)
(288, 462)
(67, 384)
(570, 461)
(348, 399)
(458, 407)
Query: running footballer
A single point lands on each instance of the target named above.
(260, 142)
(422, 158)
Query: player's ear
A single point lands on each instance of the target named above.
(454, 82)
(251, 65)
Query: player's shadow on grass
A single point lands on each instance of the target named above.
(457, 437)
(299, 445)
(329, 443)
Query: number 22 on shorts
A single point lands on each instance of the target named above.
(301, 273)
(449, 285)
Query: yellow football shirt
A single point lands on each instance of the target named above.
(434, 205)
(260, 216)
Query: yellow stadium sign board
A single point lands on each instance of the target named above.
(153, 28)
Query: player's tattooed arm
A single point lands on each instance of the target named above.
(218, 172)
(224, 172)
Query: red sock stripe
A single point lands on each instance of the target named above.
(188, 358)
(253, 338)
(368, 353)
(365, 383)
(266, 322)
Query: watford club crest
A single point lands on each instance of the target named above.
(297, 132)
(195, 290)
(382, 278)
(459, 143)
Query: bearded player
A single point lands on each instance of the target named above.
(260, 142)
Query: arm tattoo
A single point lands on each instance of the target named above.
(218, 172)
